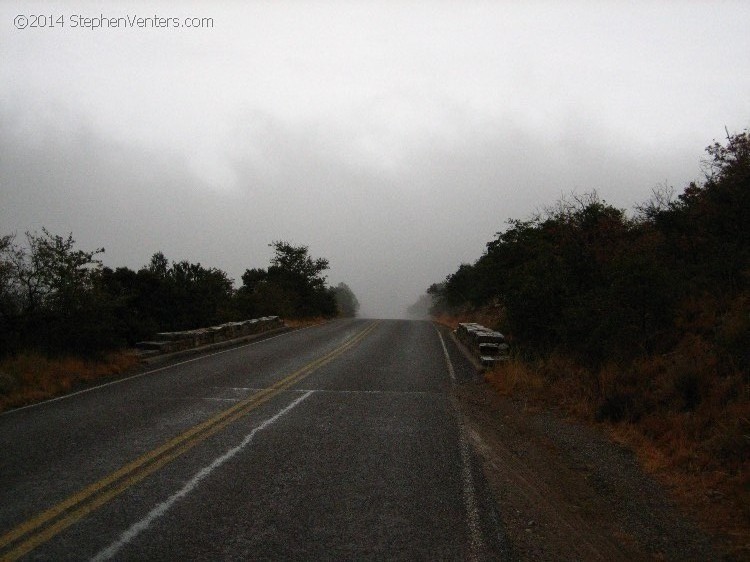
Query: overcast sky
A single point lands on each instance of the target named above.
(393, 138)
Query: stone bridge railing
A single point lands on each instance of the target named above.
(169, 342)
(487, 345)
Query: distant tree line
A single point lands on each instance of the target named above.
(587, 280)
(55, 298)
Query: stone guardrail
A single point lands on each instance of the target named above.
(169, 342)
(489, 346)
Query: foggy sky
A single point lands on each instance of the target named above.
(393, 138)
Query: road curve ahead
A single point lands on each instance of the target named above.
(332, 442)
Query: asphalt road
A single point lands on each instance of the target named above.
(327, 443)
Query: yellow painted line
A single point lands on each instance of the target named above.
(102, 491)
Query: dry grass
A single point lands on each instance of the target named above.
(719, 499)
(688, 425)
(446, 320)
(517, 379)
(490, 317)
(305, 322)
(30, 378)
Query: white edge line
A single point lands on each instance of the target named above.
(451, 372)
(476, 543)
(152, 371)
(161, 509)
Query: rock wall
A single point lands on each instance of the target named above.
(169, 342)
(488, 346)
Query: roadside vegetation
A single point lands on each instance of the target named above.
(65, 319)
(638, 321)
(32, 377)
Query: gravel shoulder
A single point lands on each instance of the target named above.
(566, 492)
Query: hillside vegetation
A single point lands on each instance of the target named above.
(638, 321)
(56, 299)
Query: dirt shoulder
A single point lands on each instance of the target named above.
(566, 492)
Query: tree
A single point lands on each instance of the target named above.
(582, 278)
(346, 303)
(159, 265)
(295, 263)
(49, 295)
(296, 281)
(9, 259)
(10, 298)
(61, 275)
(137, 302)
(252, 278)
(199, 295)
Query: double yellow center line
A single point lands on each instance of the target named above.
(40, 529)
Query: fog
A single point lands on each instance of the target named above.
(394, 139)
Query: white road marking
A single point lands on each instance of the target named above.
(387, 392)
(238, 388)
(451, 372)
(303, 390)
(163, 507)
(209, 398)
(476, 542)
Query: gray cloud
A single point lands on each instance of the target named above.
(388, 231)
(394, 141)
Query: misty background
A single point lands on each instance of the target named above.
(392, 138)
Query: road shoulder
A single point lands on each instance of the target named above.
(565, 491)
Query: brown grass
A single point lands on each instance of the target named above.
(305, 322)
(490, 317)
(688, 425)
(30, 378)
